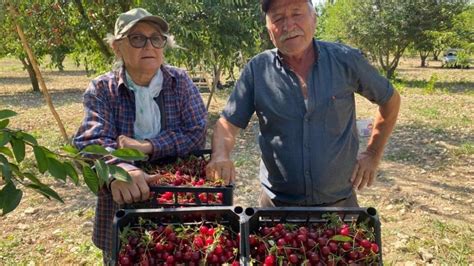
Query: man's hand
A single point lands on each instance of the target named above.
(365, 170)
(220, 168)
(141, 145)
(135, 191)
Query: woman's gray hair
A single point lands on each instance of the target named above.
(118, 62)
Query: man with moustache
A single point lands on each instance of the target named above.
(303, 94)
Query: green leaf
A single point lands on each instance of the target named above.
(95, 149)
(4, 123)
(32, 178)
(129, 154)
(341, 238)
(5, 113)
(18, 147)
(70, 149)
(91, 179)
(10, 197)
(6, 171)
(29, 138)
(4, 138)
(41, 159)
(45, 191)
(119, 174)
(6, 151)
(102, 170)
(71, 172)
(56, 169)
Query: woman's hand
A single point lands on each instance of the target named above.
(135, 191)
(142, 145)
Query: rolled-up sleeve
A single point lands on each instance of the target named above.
(373, 86)
(241, 105)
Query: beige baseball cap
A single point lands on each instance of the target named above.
(127, 20)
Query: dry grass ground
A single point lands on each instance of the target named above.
(423, 196)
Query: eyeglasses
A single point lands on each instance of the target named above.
(139, 40)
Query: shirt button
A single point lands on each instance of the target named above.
(306, 119)
(306, 145)
(306, 172)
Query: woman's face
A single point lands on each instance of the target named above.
(145, 60)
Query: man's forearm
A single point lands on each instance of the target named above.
(384, 123)
(223, 139)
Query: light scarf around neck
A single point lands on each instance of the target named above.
(147, 112)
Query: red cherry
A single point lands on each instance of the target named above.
(374, 247)
(270, 260)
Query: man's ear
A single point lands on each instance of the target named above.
(270, 34)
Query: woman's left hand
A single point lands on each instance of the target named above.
(142, 145)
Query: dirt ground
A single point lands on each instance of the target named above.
(424, 194)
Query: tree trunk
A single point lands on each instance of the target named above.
(436, 54)
(102, 46)
(390, 72)
(215, 79)
(31, 72)
(423, 61)
(14, 14)
(423, 56)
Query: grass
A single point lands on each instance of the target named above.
(446, 242)
(466, 148)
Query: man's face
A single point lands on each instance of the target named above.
(291, 25)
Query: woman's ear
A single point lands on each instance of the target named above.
(116, 48)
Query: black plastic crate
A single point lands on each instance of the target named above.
(177, 194)
(184, 196)
(230, 217)
(254, 218)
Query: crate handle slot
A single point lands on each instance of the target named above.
(249, 211)
(238, 209)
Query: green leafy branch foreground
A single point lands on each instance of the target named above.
(68, 163)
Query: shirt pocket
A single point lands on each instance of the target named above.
(340, 112)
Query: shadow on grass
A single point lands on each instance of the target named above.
(26, 100)
(15, 80)
(450, 87)
(74, 73)
(424, 146)
(25, 79)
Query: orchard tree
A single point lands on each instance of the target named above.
(463, 26)
(384, 29)
(92, 20)
(332, 24)
(215, 36)
(44, 23)
(442, 40)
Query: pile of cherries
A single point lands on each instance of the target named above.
(203, 244)
(189, 172)
(333, 243)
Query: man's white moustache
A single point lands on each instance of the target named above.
(290, 35)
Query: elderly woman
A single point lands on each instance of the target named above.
(143, 104)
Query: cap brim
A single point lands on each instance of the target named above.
(157, 20)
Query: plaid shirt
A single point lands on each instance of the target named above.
(110, 111)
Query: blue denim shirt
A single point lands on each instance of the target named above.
(308, 152)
